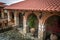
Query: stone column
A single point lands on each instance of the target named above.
(40, 30)
(8, 16)
(16, 18)
(24, 24)
(2, 12)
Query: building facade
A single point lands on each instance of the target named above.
(3, 15)
(47, 13)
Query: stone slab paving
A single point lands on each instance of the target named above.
(14, 35)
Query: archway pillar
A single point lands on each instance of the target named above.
(2, 12)
(16, 18)
(24, 24)
(40, 30)
(9, 17)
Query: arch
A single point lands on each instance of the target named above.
(32, 15)
(35, 24)
(52, 25)
(28, 14)
(46, 17)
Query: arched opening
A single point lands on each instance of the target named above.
(12, 16)
(20, 20)
(52, 25)
(32, 22)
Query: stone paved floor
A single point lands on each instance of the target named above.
(10, 35)
(13, 35)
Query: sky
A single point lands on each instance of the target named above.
(8, 2)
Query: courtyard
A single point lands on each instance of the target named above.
(30, 20)
(15, 34)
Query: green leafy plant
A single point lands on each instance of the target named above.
(32, 21)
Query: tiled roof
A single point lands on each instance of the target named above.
(2, 4)
(53, 5)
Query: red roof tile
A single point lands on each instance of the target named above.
(2, 4)
(36, 5)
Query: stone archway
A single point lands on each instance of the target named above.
(35, 23)
(52, 25)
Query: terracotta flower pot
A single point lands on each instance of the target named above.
(32, 30)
